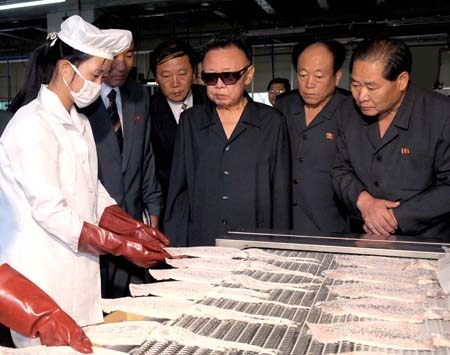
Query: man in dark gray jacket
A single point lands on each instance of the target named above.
(393, 162)
(311, 115)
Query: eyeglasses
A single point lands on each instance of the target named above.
(227, 77)
(274, 91)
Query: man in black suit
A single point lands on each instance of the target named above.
(392, 166)
(311, 115)
(172, 63)
(121, 126)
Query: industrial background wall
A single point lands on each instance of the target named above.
(271, 26)
(268, 64)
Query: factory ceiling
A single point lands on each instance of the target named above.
(264, 22)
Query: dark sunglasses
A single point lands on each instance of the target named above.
(227, 77)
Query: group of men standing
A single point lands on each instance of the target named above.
(378, 155)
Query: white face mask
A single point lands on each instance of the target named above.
(88, 93)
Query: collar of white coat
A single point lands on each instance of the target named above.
(51, 104)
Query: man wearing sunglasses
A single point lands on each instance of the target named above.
(231, 158)
(311, 114)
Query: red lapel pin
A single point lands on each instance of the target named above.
(329, 135)
(405, 151)
(137, 118)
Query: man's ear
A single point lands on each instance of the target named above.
(249, 75)
(403, 80)
(338, 77)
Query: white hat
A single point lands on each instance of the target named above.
(88, 39)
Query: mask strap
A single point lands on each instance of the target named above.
(77, 71)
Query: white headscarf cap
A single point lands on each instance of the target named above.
(88, 39)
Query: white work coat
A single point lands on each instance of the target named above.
(48, 188)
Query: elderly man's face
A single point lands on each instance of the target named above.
(372, 92)
(229, 59)
(120, 67)
(174, 77)
(316, 80)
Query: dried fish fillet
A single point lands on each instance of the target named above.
(406, 336)
(403, 293)
(260, 254)
(383, 309)
(153, 307)
(201, 310)
(187, 338)
(266, 267)
(192, 275)
(246, 295)
(236, 265)
(120, 333)
(204, 252)
(196, 291)
(205, 263)
(250, 282)
(376, 262)
(172, 289)
(406, 277)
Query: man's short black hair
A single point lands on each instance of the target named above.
(172, 48)
(394, 52)
(230, 40)
(284, 81)
(336, 48)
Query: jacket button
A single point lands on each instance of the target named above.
(378, 158)
(295, 181)
(227, 148)
(226, 172)
(224, 222)
(295, 204)
(225, 197)
(305, 137)
(300, 160)
(376, 183)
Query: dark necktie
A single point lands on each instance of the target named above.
(114, 117)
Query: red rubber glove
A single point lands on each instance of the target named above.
(27, 309)
(116, 220)
(140, 251)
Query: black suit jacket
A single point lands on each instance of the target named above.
(410, 164)
(5, 117)
(164, 128)
(316, 209)
(130, 179)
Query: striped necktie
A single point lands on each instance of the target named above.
(114, 117)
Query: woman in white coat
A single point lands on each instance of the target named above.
(55, 216)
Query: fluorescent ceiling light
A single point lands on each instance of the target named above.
(18, 5)
(265, 6)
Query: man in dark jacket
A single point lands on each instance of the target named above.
(231, 161)
(172, 63)
(311, 114)
(393, 162)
